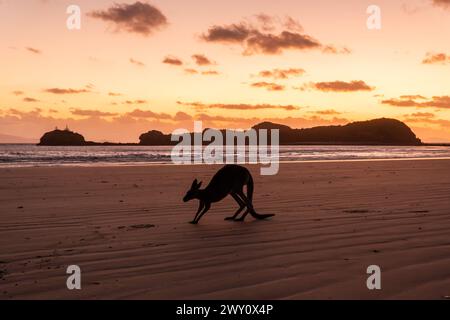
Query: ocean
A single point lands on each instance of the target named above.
(30, 155)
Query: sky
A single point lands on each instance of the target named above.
(135, 66)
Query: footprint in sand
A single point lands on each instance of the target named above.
(137, 226)
(356, 211)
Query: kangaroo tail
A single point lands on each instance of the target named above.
(260, 216)
(250, 187)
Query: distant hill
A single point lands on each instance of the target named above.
(377, 132)
(5, 138)
(373, 132)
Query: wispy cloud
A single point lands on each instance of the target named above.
(436, 58)
(338, 86)
(103, 126)
(138, 113)
(422, 115)
(331, 49)
(210, 73)
(202, 60)
(137, 63)
(282, 73)
(329, 112)
(173, 61)
(92, 113)
(190, 71)
(270, 86)
(239, 106)
(66, 91)
(28, 99)
(33, 50)
(418, 101)
(139, 101)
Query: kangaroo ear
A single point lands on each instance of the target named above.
(194, 184)
(199, 185)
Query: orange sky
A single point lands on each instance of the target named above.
(301, 63)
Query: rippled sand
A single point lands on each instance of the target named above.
(126, 227)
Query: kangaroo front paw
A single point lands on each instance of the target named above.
(193, 222)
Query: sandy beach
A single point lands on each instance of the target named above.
(127, 228)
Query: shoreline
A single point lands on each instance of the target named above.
(163, 164)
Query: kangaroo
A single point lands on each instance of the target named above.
(229, 180)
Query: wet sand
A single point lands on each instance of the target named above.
(126, 227)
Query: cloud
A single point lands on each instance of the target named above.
(269, 23)
(329, 112)
(436, 58)
(139, 101)
(141, 18)
(339, 86)
(66, 91)
(426, 118)
(18, 93)
(91, 113)
(138, 113)
(442, 3)
(204, 73)
(28, 99)
(148, 114)
(240, 106)
(23, 114)
(281, 73)
(256, 39)
(202, 60)
(190, 71)
(423, 115)
(137, 63)
(219, 121)
(439, 102)
(270, 86)
(276, 44)
(210, 73)
(34, 50)
(234, 33)
(114, 94)
(182, 116)
(173, 61)
(126, 128)
(335, 50)
(414, 97)
(268, 35)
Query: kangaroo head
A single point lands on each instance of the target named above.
(193, 192)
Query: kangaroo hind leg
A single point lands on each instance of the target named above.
(241, 206)
(247, 203)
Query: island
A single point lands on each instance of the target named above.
(62, 138)
(372, 132)
(382, 131)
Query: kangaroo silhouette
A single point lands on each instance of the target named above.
(230, 180)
